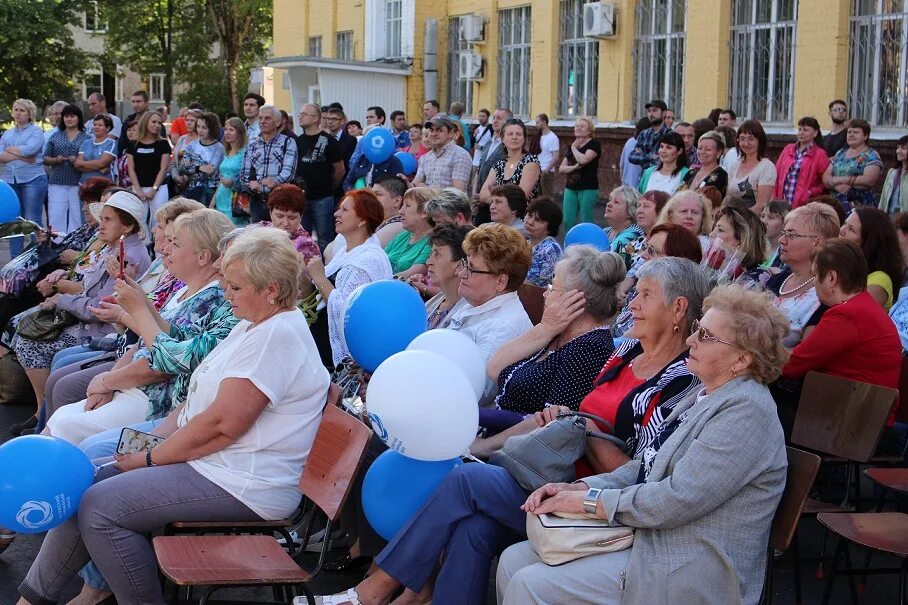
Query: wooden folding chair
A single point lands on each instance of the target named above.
(531, 297)
(802, 470)
(253, 560)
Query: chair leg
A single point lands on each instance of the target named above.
(310, 598)
(796, 566)
(851, 585)
(827, 591)
(822, 553)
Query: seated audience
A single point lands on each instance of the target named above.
(649, 206)
(899, 311)
(621, 216)
(541, 224)
(444, 272)
(743, 231)
(692, 211)
(702, 498)
(286, 205)
(409, 250)
(669, 173)
(753, 177)
(894, 198)
(853, 172)
(450, 206)
(508, 206)
(800, 167)
(773, 217)
(710, 147)
(389, 190)
(872, 230)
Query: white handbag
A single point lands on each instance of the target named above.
(561, 537)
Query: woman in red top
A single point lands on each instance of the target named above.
(800, 167)
(855, 338)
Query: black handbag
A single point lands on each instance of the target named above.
(547, 454)
(46, 324)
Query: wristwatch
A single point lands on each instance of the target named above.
(591, 500)
(149, 463)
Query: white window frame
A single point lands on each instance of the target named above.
(99, 27)
(579, 55)
(155, 80)
(867, 75)
(377, 30)
(515, 42)
(119, 85)
(344, 45)
(92, 72)
(315, 46)
(650, 80)
(459, 89)
(770, 99)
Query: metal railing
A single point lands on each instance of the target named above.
(878, 66)
(578, 64)
(659, 40)
(514, 43)
(459, 89)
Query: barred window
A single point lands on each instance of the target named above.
(514, 59)
(762, 59)
(878, 82)
(393, 25)
(156, 87)
(578, 64)
(659, 53)
(345, 45)
(459, 89)
(315, 46)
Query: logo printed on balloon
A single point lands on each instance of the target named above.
(378, 427)
(378, 143)
(34, 506)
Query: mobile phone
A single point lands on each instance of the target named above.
(122, 251)
(132, 441)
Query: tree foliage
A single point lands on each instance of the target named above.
(243, 30)
(38, 58)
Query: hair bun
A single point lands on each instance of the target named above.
(607, 268)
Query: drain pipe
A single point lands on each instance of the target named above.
(430, 60)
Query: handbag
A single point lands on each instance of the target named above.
(547, 454)
(46, 324)
(562, 537)
(239, 204)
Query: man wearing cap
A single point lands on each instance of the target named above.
(446, 164)
(646, 153)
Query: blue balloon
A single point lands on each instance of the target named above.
(378, 145)
(381, 320)
(407, 161)
(396, 487)
(9, 203)
(42, 480)
(587, 233)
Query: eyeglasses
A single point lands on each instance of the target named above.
(464, 267)
(703, 334)
(648, 249)
(789, 234)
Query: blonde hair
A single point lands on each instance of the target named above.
(143, 125)
(503, 249)
(29, 105)
(241, 137)
(588, 121)
(268, 257)
(819, 218)
(420, 195)
(758, 327)
(706, 222)
(175, 207)
(205, 228)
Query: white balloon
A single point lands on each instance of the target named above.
(422, 406)
(456, 347)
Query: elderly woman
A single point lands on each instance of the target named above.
(710, 147)
(517, 168)
(669, 173)
(131, 391)
(60, 153)
(475, 513)
(894, 198)
(507, 206)
(444, 272)
(773, 217)
(555, 361)
(390, 190)
(409, 250)
(702, 498)
(98, 153)
(806, 228)
(800, 167)
(123, 215)
(541, 224)
(286, 205)
(743, 231)
(854, 171)
(22, 157)
(872, 230)
(450, 206)
(692, 211)
(649, 207)
(242, 412)
(581, 169)
(753, 177)
(359, 261)
(621, 215)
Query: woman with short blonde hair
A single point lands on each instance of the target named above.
(580, 167)
(22, 166)
(691, 210)
(267, 264)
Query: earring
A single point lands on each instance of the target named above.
(676, 329)
(270, 301)
(734, 373)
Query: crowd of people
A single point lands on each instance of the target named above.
(195, 286)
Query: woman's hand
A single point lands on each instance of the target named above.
(549, 414)
(207, 169)
(480, 449)
(130, 296)
(45, 287)
(227, 182)
(50, 303)
(130, 462)
(149, 195)
(561, 308)
(109, 313)
(68, 256)
(549, 491)
(93, 402)
(55, 276)
(316, 270)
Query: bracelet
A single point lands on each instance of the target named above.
(148, 461)
(103, 376)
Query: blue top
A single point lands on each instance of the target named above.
(546, 255)
(899, 315)
(93, 151)
(30, 140)
(60, 145)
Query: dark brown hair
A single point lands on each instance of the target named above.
(514, 195)
(679, 241)
(880, 245)
(755, 129)
(845, 258)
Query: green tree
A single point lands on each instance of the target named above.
(38, 58)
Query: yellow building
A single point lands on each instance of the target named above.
(774, 60)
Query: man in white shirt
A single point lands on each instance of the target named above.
(550, 150)
(97, 104)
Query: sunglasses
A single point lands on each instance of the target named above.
(704, 335)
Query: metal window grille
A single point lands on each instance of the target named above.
(393, 25)
(878, 74)
(345, 45)
(315, 46)
(514, 43)
(659, 53)
(578, 64)
(762, 58)
(459, 89)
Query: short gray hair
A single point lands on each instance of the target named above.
(596, 274)
(268, 257)
(631, 198)
(679, 278)
(275, 112)
(450, 201)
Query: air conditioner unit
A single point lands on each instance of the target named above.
(599, 20)
(472, 28)
(470, 66)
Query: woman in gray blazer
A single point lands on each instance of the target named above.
(702, 499)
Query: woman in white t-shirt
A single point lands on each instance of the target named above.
(669, 173)
(753, 177)
(234, 451)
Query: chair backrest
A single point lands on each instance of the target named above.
(335, 396)
(802, 470)
(334, 460)
(901, 412)
(841, 417)
(532, 300)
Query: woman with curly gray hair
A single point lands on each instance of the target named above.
(621, 215)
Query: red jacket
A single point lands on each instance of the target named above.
(855, 340)
(810, 179)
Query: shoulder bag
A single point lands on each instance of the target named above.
(562, 537)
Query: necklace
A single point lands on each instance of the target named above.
(783, 292)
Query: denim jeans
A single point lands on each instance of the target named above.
(319, 216)
(31, 206)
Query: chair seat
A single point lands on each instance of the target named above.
(814, 507)
(226, 560)
(891, 478)
(885, 459)
(230, 524)
(887, 532)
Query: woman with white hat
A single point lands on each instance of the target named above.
(122, 215)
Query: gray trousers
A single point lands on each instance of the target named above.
(69, 383)
(523, 579)
(111, 527)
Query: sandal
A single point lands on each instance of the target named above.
(340, 598)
